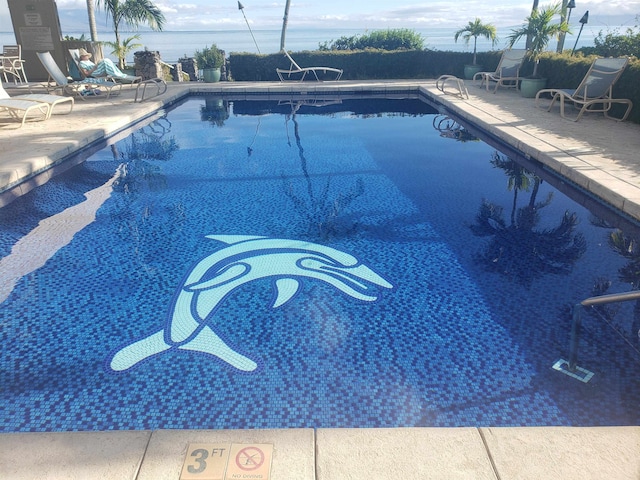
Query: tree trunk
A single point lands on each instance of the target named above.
(92, 21)
(533, 9)
(285, 19)
(119, 49)
(475, 44)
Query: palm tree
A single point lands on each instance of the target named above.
(477, 29)
(132, 13)
(127, 45)
(539, 29)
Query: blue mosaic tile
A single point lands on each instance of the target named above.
(452, 344)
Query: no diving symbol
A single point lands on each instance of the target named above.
(250, 458)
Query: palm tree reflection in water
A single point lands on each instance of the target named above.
(320, 212)
(517, 249)
(139, 220)
(146, 145)
(629, 248)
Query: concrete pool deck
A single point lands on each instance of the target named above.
(598, 154)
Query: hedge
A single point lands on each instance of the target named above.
(562, 71)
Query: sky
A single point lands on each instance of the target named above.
(188, 15)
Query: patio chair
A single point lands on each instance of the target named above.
(295, 70)
(58, 81)
(13, 64)
(51, 100)
(507, 73)
(75, 56)
(595, 92)
(21, 109)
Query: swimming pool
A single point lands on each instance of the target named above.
(258, 265)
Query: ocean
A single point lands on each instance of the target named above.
(175, 45)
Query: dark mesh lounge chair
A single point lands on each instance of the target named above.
(595, 92)
(507, 73)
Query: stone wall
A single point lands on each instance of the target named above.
(148, 64)
(190, 67)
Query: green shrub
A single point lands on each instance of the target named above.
(392, 39)
(361, 64)
(613, 44)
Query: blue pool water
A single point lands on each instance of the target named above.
(279, 265)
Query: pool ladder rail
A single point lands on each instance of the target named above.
(157, 85)
(571, 367)
(452, 85)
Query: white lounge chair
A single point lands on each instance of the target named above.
(507, 73)
(595, 92)
(21, 109)
(51, 100)
(296, 70)
(126, 79)
(58, 81)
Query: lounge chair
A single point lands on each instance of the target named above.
(507, 73)
(51, 100)
(21, 109)
(295, 70)
(58, 81)
(595, 92)
(125, 79)
(13, 64)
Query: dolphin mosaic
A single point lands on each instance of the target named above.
(243, 260)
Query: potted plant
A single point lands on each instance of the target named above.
(539, 30)
(475, 29)
(209, 60)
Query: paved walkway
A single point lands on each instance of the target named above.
(597, 154)
(331, 454)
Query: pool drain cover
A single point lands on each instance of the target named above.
(579, 373)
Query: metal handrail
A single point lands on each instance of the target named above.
(141, 90)
(576, 323)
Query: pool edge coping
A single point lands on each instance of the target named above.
(552, 453)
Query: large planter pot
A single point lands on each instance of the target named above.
(471, 70)
(530, 86)
(211, 75)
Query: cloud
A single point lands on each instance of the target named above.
(350, 14)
